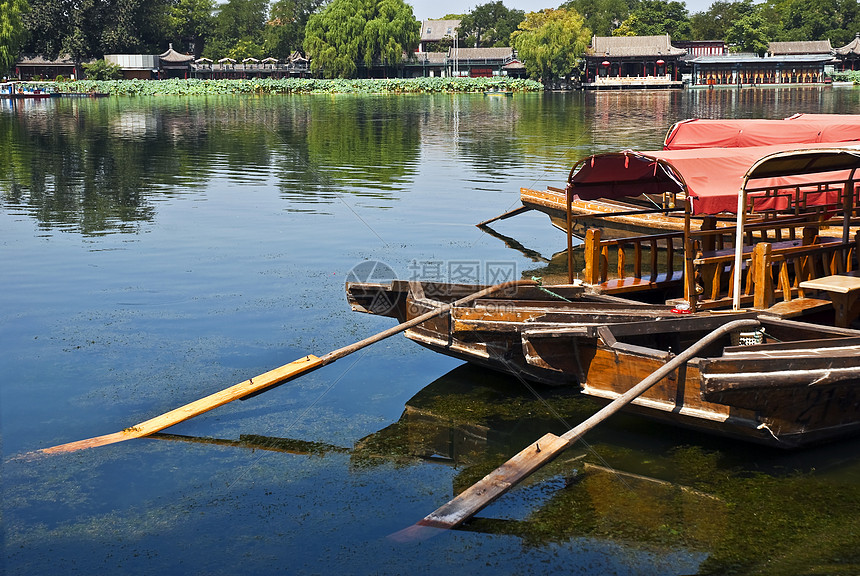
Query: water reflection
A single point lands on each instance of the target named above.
(97, 166)
(631, 480)
(639, 484)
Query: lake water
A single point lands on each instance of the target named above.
(153, 251)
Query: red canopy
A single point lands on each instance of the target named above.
(711, 177)
(736, 133)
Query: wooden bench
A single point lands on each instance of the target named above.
(843, 290)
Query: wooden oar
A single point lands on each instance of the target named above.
(505, 216)
(493, 485)
(263, 381)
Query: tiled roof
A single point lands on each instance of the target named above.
(435, 30)
(174, 57)
(41, 60)
(852, 47)
(505, 53)
(808, 47)
(634, 46)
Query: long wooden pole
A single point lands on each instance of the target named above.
(259, 383)
(569, 199)
(493, 485)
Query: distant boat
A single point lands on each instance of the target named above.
(498, 92)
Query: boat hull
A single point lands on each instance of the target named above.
(604, 347)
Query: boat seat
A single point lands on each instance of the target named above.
(798, 307)
(844, 291)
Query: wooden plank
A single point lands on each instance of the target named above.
(842, 284)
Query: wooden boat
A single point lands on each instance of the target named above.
(650, 212)
(793, 381)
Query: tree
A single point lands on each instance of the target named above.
(748, 34)
(350, 33)
(551, 42)
(12, 32)
(602, 16)
(835, 20)
(490, 25)
(657, 17)
(87, 28)
(285, 30)
(102, 70)
(713, 23)
(239, 28)
(190, 24)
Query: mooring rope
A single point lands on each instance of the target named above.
(540, 287)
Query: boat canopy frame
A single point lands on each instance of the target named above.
(798, 180)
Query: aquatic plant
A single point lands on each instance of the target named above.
(846, 76)
(195, 87)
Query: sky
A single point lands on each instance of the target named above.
(426, 9)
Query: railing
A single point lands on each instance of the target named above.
(797, 253)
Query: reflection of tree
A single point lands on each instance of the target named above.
(368, 145)
(486, 131)
(94, 166)
(86, 166)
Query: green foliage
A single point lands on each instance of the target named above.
(749, 33)
(12, 32)
(657, 17)
(551, 42)
(239, 26)
(489, 25)
(285, 30)
(192, 87)
(102, 70)
(834, 20)
(714, 23)
(190, 23)
(602, 16)
(846, 76)
(351, 33)
(92, 28)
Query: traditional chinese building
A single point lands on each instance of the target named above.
(434, 31)
(421, 64)
(632, 62)
(849, 55)
(741, 69)
(296, 65)
(135, 66)
(483, 62)
(173, 64)
(696, 48)
(805, 48)
(32, 66)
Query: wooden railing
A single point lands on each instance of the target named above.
(797, 253)
(777, 274)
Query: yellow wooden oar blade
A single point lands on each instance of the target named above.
(195, 408)
(263, 381)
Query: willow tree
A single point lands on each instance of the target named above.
(550, 43)
(12, 31)
(350, 33)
